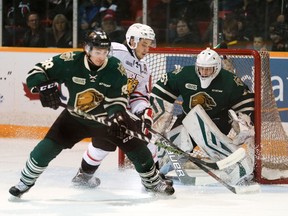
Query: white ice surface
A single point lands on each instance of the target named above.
(120, 192)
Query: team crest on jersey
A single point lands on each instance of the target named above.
(88, 99)
(131, 85)
(121, 69)
(238, 81)
(67, 56)
(204, 99)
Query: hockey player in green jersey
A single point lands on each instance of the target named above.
(97, 85)
(139, 39)
(219, 93)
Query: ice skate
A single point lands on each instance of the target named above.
(161, 188)
(167, 181)
(85, 179)
(19, 189)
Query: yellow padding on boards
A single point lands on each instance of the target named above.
(29, 132)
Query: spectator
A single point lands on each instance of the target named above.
(269, 11)
(248, 18)
(279, 36)
(35, 36)
(109, 25)
(232, 31)
(160, 16)
(60, 34)
(64, 7)
(89, 16)
(120, 9)
(196, 10)
(187, 33)
(259, 43)
(6, 39)
(108, 7)
(17, 10)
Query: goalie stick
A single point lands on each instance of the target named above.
(169, 146)
(233, 188)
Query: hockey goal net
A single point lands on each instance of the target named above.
(271, 141)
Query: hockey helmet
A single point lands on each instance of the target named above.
(139, 31)
(208, 58)
(96, 38)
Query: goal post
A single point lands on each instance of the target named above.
(271, 142)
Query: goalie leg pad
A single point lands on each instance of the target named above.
(180, 137)
(240, 173)
(206, 134)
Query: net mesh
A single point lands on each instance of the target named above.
(272, 146)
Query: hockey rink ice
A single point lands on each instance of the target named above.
(120, 192)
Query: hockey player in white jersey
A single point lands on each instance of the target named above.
(139, 39)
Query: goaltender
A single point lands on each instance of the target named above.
(210, 96)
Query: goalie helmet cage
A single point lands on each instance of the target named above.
(271, 141)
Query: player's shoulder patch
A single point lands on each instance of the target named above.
(238, 81)
(67, 56)
(177, 69)
(121, 69)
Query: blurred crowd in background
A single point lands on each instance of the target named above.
(255, 24)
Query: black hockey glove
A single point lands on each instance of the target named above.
(121, 121)
(49, 94)
(146, 121)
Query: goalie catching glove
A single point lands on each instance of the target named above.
(243, 127)
(49, 94)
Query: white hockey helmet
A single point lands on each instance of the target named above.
(208, 58)
(139, 31)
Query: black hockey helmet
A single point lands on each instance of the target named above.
(96, 38)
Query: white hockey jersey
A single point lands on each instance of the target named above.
(139, 77)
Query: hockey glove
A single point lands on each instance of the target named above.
(147, 121)
(121, 121)
(49, 94)
(243, 126)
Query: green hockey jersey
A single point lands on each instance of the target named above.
(225, 92)
(100, 92)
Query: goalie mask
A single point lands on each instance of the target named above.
(139, 31)
(97, 39)
(208, 66)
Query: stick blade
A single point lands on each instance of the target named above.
(235, 157)
(248, 189)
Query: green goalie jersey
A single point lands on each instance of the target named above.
(225, 92)
(100, 92)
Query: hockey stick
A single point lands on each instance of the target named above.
(169, 146)
(219, 165)
(181, 173)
